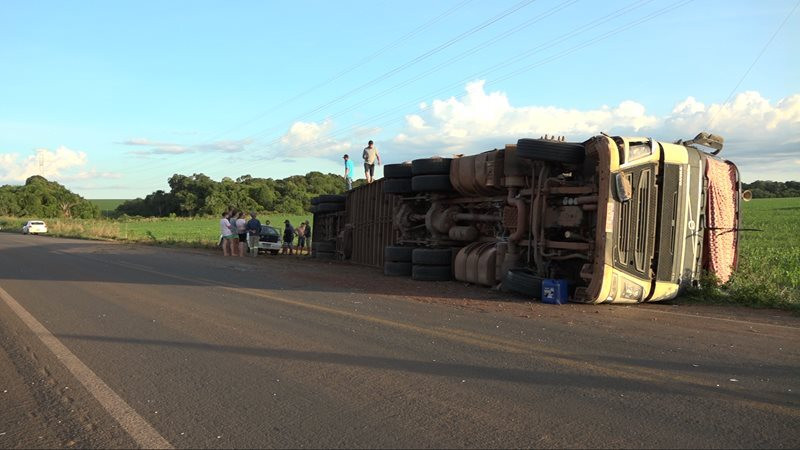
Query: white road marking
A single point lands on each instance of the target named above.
(142, 432)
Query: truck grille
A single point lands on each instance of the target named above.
(636, 224)
(642, 224)
(624, 228)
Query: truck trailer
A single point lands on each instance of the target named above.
(612, 219)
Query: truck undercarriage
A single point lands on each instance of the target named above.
(611, 219)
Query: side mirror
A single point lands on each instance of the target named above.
(622, 183)
(747, 195)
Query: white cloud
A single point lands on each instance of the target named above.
(62, 164)
(311, 139)
(761, 136)
(751, 125)
(171, 148)
(478, 116)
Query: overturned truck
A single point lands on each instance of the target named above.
(609, 220)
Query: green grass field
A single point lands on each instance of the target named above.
(769, 260)
(191, 232)
(107, 205)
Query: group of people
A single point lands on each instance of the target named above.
(370, 156)
(238, 234)
(303, 233)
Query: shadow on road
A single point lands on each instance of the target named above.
(554, 377)
(47, 259)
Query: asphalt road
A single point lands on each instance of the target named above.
(141, 346)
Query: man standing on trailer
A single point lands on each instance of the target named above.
(349, 168)
(370, 156)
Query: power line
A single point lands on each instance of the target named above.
(563, 53)
(353, 67)
(339, 75)
(747, 72)
(410, 63)
(551, 43)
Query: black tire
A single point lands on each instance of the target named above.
(397, 171)
(551, 151)
(431, 273)
(273, 252)
(522, 281)
(397, 254)
(432, 256)
(431, 166)
(325, 255)
(328, 198)
(397, 186)
(435, 183)
(328, 207)
(397, 269)
(324, 246)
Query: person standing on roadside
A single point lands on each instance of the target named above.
(253, 232)
(308, 237)
(301, 237)
(241, 232)
(370, 156)
(349, 168)
(288, 237)
(227, 234)
(234, 235)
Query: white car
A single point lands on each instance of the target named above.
(269, 241)
(34, 227)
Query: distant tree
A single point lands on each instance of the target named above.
(773, 189)
(200, 195)
(46, 199)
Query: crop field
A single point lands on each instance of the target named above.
(769, 259)
(107, 205)
(199, 232)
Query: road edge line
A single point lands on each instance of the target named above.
(135, 425)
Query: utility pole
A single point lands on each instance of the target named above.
(40, 159)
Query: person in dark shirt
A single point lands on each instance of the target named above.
(308, 237)
(253, 229)
(288, 238)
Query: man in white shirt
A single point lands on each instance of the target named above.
(370, 156)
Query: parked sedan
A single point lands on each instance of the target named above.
(268, 241)
(34, 227)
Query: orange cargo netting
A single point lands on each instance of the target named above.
(721, 236)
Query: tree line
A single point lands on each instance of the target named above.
(773, 189)
(199, 195)
(39, 197)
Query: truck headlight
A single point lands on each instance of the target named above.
(638, 151)
(632, 291)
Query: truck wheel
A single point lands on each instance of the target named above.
(324, 246)
(551, 151)
(328, 207)
(326, 255)
(431, 166)
(432, 256)
(397, 254)
(328, 199)
(437, 183)
(397, 268)
(431, 273)
(522, 281)
(397, 186)
(397, 170)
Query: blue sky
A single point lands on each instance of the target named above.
(112, 98)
